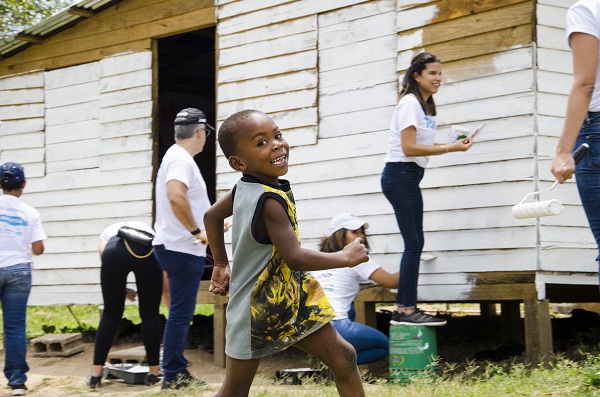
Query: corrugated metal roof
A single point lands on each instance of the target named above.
(53, 25)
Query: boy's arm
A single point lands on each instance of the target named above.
(278, 228)
(214, 223)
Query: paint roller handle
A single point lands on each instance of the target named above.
(580, 152)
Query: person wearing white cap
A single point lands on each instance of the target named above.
(342, 284)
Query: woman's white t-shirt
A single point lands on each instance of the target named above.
(584, 17)
(409, 112)
(342, 284)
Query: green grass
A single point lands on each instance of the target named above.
(76, 318)
(563, 378)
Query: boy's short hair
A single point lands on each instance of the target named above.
(12, 176)
(230, 129)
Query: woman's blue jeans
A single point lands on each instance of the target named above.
(15, 285)
(587, 173)
(184, 272)
(370, 344)
(400, 185)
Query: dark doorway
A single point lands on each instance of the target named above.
(186, 78)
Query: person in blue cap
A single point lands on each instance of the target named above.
(21, 235)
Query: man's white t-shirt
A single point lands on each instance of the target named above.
(178, 164)
(342, 284)
(584, 17)
(20, 225)
(408, 113)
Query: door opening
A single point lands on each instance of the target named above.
(186, 78)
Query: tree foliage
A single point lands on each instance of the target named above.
(16, 15)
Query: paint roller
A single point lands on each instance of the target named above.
(537, 209)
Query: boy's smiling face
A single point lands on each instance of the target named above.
(261, 150)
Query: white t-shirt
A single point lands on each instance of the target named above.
(178, 164)
(409, 112)
(584, 17)
(113, 229)
(341, 285)
(20, 225)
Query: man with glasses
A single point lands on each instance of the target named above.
(180, 239)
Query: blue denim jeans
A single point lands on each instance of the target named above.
(15, 285)
(370, 344)
(400, 185)
(184, 272)
(587, 173)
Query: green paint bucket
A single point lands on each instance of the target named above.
(413, 352)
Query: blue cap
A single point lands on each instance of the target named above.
(12, 173)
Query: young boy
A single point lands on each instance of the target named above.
(273, 303)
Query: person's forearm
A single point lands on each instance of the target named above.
(183, 212)
(577, 106)
(309, 260)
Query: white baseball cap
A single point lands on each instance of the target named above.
(347, 221)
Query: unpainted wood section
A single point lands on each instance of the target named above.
(491, 64)
(467, 47)
(112, 32)
(456, 8)
(538, 331)
(472, 25)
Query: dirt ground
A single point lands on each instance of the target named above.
(65, 376)
(463, 338)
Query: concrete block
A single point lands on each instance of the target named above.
(133, 355)
(57, 345)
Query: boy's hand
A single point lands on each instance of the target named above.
(219, 282)
(356, 252)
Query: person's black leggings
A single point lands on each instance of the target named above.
(117, 262)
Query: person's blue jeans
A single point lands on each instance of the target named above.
(370, 344)
(15, 285)
(184, 272)
(400, 185)
(587, 173)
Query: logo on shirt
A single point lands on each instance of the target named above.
(430, 122)
(13, 220)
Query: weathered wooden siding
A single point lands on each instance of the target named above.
(566, 242)
(93, 165)
(488, 62)
(76, 110)
(353, 57)
(127, 26)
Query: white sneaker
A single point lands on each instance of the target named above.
(19, 390)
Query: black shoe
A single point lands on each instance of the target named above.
(151, 379)
(93, 381)
(416, 318)
(182, 381)
(19, 390)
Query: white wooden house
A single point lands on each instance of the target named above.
(88, 96)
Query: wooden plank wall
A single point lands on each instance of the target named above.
(97, 157)
(81, 122)
(489, 61)
(566, 242)
(325, 71)
(127, 26)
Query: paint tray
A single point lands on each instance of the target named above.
(133, 374)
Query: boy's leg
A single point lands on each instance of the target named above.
(239, 375)
(329, 347)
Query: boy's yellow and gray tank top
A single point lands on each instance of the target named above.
(271, 307)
